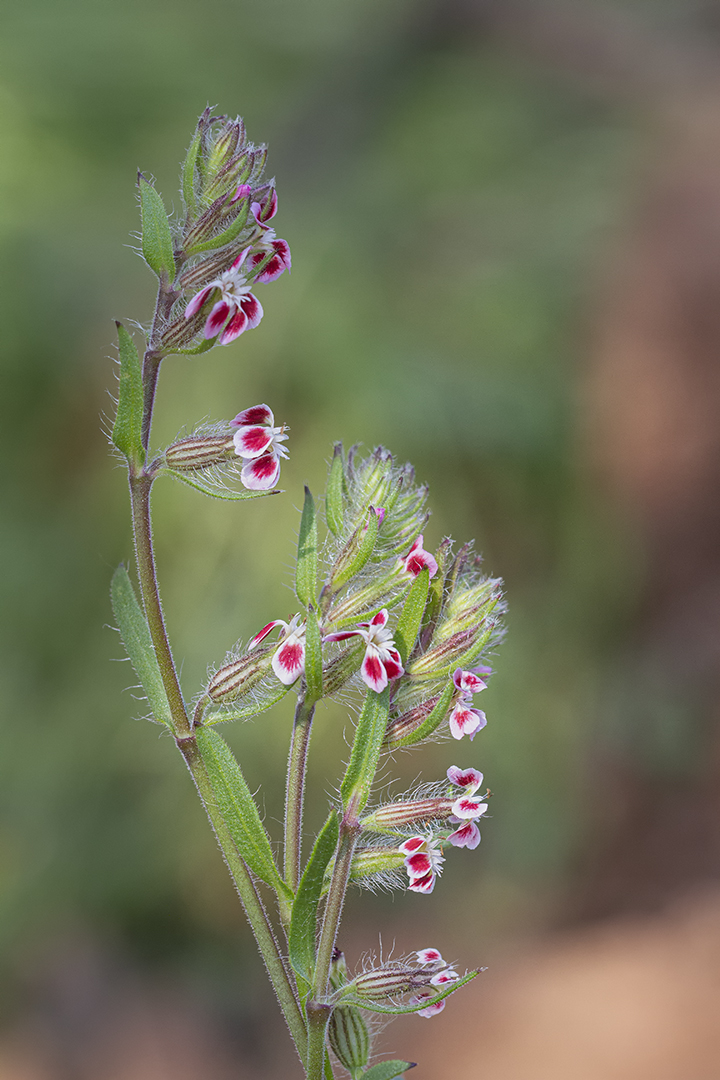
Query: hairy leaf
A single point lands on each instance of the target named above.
(334, 510)
(369, 736)
(136, 637)
(127, 429)
(388, 1070)
(157, 245)
(307, 556)
(313, 657)
(303, 924)
(408, 626)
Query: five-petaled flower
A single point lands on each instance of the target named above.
(423, 862)
(259, 444)
(288, 662)
(418, 559)
(464, 720)
(467, 808)
(237, 309)
(382, 660)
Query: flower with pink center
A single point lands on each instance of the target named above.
(418, 559)
(237, 309)
(464, 719)
(442, 978)
(288, 662)
(426, 957)
(259, 443)
(430, 1010)
(423, 862)
(382, 660)
(467, 808)
(266, 209)
(280, 260)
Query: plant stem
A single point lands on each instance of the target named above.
(333, 907)
(254, 908)
(142, 530)
(295, 789)
(318, 1019)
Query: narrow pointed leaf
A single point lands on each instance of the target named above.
(369, 737)
(313, 657)
(136, 638)
(357, 551)
(307, 556)
(238, 808)
(408, 626)
(127, 429)
(157, 245)
(188, 175)
(219, 492)
(303, 924)
(334, 510)
(388, 1070)
(400, 1010)
(431, 722)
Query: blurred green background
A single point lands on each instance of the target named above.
(451, 199)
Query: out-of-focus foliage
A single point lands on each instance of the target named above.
(446, 207)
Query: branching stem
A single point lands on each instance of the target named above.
(295, 790)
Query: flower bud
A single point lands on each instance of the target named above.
(338, 970)
(341, 668)
(375, 861)
(200, 452)
(400, 727)
(236, 679)
(386, 982)
(397, 815)
(356, 552)
(349, 1038)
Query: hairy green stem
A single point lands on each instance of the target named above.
(295, 789)
(318, 1018)
(254, 908)
(333, 907)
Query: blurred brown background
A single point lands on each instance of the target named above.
(505, 226)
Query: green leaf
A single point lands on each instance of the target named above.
(400, 1010)
(219, 492)
(431, 722)
(365, 753)
(188, 174)
(136, 637)
(408, 626)
(388, 1070)
(303, 924)
(356, 552)
(157, 245)
(313, 657)
(225, 237)
(307, 556)
(238, 808)
(127, 429)
(334, 509)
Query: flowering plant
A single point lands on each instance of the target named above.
(377, 613)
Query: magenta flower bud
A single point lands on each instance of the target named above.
(201, 452)
(397, 815)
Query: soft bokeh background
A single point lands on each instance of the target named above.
(505, 224)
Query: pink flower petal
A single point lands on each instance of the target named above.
(465, 721)
(217, 318)
(272, 271)
(393, 664)
(373, 672)
(257, 414)
(253, 309)
(289, 661)
(409, 847)
(342, 635)
(418, 559)
(260, 474)
(237, 263)
(431, 1010)
(429, 956)
(424, 884)
(467, 807)
(447, 975)
(252, 442)
(468, 835)
(468, 682)
(197, 301)
(418, 865)
(262, 634)
(380, 619)
(243, 190)
(470, 779)
(237, 326)
(263, 212)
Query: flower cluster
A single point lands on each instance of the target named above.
(464, 719)
(444, 975)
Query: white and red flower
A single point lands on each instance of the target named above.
(464, 719)
(423, 862)
(266, 209)
(288, 662)
(430, 1010)
(259, 443)
(427, 957)
(466, 809)
(418, 559)
(235, 311)
(382, 660)
(280, 260)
